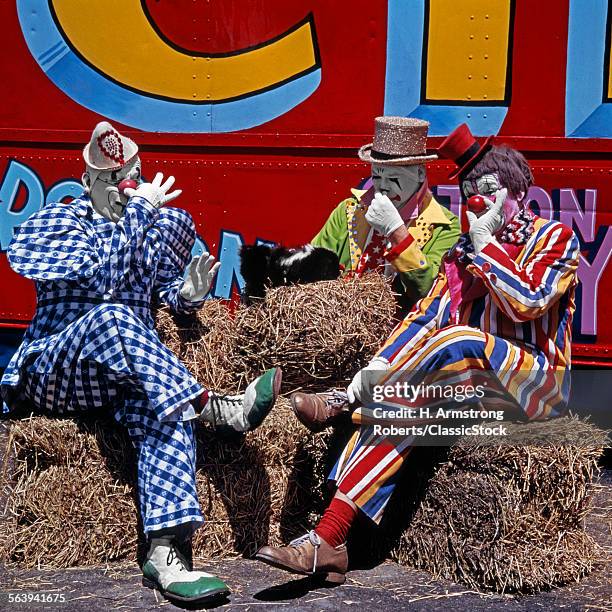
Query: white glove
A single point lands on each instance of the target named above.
(155, 193)
(383, 216)
(483, 228)
(199, 278)
(361, 387)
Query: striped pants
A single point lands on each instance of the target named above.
(515, 379)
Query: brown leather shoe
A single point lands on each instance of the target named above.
(317, 411)
(309, 555)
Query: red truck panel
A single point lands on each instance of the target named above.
(290, 154)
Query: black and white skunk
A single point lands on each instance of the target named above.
(265, 266)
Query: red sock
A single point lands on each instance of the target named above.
(336, 522)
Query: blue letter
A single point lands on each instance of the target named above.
(229, 272)
(16, 174)
(64, 189)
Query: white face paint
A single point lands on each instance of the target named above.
(485, 185)
(398, 183)
(103, 192)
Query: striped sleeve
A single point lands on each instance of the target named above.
(428, 315)
(525, 292)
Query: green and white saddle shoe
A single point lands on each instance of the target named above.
(244, 412)
(166, 570)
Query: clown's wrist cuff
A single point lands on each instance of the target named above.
(186, 305)
(398, 249)
(143, 206)
(494, 249)
(480, 240)
(399, 222)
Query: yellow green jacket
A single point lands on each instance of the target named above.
(416, 267)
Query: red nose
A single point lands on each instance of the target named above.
(477, 204)
(127, 184)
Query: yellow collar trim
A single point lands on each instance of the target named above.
(358, 193)
(434, 213)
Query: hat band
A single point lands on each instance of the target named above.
(378, 155)
(468, 154)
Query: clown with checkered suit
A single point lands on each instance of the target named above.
(97, 262)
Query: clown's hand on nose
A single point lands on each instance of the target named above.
(155, 192)
(485, 226)
(383, 216)
(202, 271)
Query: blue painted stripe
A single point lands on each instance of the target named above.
(86, 86)
(585, 113)
(405, 41)
(43, 56)
(48, 62)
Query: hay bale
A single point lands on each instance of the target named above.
(487, 517)
(72, 501)
(70, 495)
(205, 342)
(506, 517)
(320, 333)
(509, 516)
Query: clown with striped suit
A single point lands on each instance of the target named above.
(498, 318)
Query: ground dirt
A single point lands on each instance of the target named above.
(257, 587)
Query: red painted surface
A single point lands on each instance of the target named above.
(352, 45)
(538, 70)
(280, 180)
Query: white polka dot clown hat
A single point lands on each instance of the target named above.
(108, 149)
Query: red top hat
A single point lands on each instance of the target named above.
(461, 146)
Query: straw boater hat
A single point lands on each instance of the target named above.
(108, 149)
(461, 146)
(398, 141)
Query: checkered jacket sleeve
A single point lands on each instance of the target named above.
(57, 244)
(525, 290)
(178, 231)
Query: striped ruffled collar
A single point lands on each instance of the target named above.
(517, 231)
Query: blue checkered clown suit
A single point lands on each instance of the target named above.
(92, 342)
